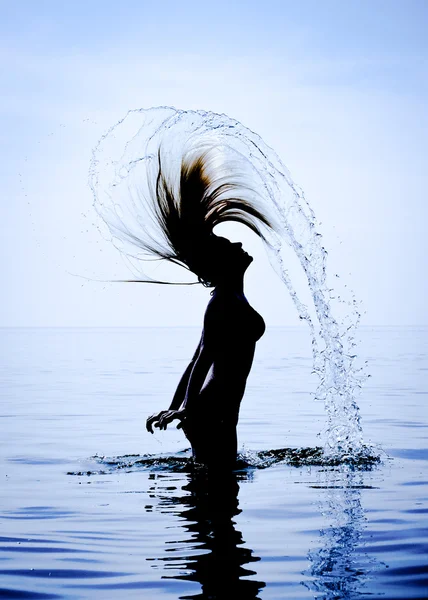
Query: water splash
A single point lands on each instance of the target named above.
(123, 164)
(247, 460)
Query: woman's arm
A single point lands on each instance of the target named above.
(188, 389)
(197, 378)
(180, 392)
(179, 395)
(198, 375)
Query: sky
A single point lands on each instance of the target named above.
(338, 89)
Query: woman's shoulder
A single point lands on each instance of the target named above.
(219, 316)
(216, 311)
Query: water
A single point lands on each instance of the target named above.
(75, 401)
(122, 176)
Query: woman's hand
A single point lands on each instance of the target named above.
(162, 418)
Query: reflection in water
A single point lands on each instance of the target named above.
(340, 569)
(214, 554)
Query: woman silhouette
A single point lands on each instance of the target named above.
(208, 397)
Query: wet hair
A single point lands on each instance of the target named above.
(187, 211)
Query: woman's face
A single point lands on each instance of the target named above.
(229, 256)
(218, 260)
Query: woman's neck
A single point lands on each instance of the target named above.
(235, 287)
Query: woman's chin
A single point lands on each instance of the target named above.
(248, 260)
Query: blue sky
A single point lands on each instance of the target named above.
(339, 89)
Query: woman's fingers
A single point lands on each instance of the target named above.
(161, 419)
(164, 420)
(152, 421)
(167, 417)
(149, 423)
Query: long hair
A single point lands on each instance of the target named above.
(186, 212)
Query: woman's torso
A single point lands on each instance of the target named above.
(231, 329)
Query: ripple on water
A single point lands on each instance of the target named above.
(61, 573)
(11, 594)
(29, 513)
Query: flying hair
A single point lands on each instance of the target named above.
(185, 209)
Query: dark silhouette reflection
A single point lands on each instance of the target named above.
(214, 555)
(340, 569)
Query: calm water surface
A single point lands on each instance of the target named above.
(75, 401)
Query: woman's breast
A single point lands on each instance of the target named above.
(250, 324)
(258, 326)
